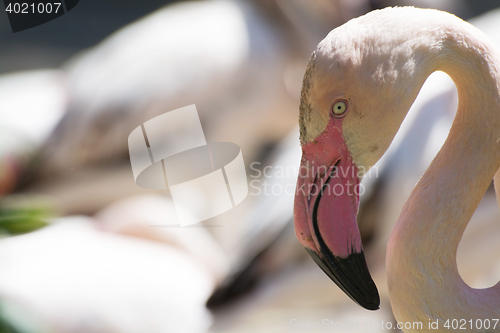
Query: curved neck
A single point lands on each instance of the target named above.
(425, 240)
(454, 184)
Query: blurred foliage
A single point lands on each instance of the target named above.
(16, 220)
(5, 327)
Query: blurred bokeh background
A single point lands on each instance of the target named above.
(84, 249)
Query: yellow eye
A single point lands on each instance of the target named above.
(339, 108)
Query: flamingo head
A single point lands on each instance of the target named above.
(357, 89)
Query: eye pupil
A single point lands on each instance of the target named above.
(339, 108)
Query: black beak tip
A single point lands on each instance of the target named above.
(351, 275)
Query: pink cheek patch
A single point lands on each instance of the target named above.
(332, 219)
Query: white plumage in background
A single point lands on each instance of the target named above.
(114, 273)
(31, 105)
(221, 55)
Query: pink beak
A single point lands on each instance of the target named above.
(326, 205)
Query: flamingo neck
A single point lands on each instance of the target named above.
(421, 257)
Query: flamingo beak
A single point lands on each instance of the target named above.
(325, 209)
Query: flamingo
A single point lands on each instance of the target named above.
(358, 87)
(418, 140)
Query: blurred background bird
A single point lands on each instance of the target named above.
(72, 90)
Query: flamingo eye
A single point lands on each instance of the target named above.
(339, 108)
